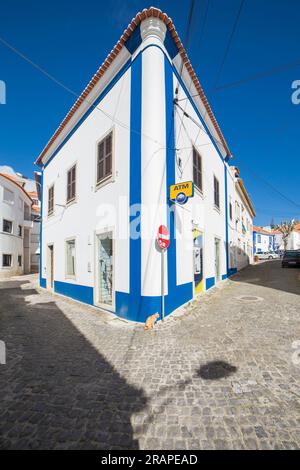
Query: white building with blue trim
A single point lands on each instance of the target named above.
(263, 240)
(142, 124)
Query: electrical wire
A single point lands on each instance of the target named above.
(229, 42)
(65, 87)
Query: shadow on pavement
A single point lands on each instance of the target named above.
(216, 370)
(56, 389)
(271, 274)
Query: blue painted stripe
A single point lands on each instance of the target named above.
(135, 175)
(226, 219)
(75, 291)
(210, 282)
(224, 276)
(43, 282)
(170, 174)
(41, 230)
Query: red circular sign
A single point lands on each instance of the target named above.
(163, 237)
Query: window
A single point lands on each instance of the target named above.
(51, 200)
(6, 261)
(20, 204)
(197, 169)
(7, 226)
(26, 212)
(216, 193)
(258, 238)
(230, 211)
(104, 158)
(70, 258)
(19, 230)
(19, 260)
(71, 184)
(8, 196)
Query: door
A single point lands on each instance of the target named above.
(198, 262)
(50, 267)
(105, 270)
(217, 259)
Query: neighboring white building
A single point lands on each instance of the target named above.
(241, 214)
(142, 124)
(15, 227)
(263, 240)
(294, 238)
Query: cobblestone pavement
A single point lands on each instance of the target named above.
(223, 372)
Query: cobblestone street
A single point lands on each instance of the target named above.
(222, 373)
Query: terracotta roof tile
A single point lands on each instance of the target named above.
(146, 13)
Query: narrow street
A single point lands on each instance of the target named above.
(222, 373)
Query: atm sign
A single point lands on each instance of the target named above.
(187, 188)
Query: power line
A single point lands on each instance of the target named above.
(230, 41)
(242, 162)
(65, 87)
(204, 23)
(269, 184)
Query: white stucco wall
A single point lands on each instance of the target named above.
(95, 210)
(12, 244)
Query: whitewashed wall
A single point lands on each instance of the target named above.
(100, 209)
(12, 243)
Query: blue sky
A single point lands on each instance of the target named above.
(70, 39)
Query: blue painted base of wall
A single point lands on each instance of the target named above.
(84, 294)
(138, 308)
(210, 282)
(232, 271)
(134, 308)
(224, 276)
(43, 282)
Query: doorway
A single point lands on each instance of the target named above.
(50, 266)
(198, 262)
(105, 269)
(217, 259)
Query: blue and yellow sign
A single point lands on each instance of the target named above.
(180, 192)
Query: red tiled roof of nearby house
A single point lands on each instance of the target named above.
(243, 189)
(157, 13)
(14, 180)
(262, 230)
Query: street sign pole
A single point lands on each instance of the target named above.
(162, 285)
(163, 240)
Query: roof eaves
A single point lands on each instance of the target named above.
(146, 13)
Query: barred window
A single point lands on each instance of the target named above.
(6, 261)
(7, 226)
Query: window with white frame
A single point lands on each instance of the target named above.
(70, 258)
(71, 184)
(8, 196)
(6, 261)
(7, 226)
(104, 158)
(19, 230)
(19, 260)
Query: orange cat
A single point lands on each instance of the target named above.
(151, 321)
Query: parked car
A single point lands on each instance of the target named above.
(291, 258)
(267, 255)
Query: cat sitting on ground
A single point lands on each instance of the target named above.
(151, 321)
